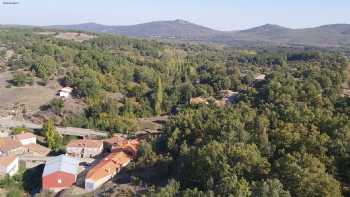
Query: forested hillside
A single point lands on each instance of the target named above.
(327, 36)
(285, 135)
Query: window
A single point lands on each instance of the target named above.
(59, 181)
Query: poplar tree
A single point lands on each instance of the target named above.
(53, 138)
(158, 97)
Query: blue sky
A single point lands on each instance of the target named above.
(218, 14)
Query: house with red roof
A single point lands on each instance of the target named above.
(123, 151)
(119, 143)
(106, 169)
(60, 173)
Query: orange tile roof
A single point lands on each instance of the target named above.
(7, 160)
(131, 147)
(109, 166)
(85, 143)
(7, 144)
(37, 148)
(25, 135)
(116, 141)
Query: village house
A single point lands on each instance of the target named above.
(106, 169)
(8, 165)
(10, 146)
(36, 150)
(60, 173)
(65, 92)
(26, 138)
(84, 148)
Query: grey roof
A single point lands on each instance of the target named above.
(61, 163)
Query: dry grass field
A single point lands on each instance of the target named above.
(31, 96)
(79, 37)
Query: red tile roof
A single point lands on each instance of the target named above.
(25, 135)
(109, 166)
(116, 141)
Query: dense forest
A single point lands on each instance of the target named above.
(286, 135)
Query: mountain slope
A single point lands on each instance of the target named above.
(337, 35)
(177, 29)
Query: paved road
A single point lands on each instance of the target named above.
(7, 123)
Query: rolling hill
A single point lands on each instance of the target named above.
(336, 35)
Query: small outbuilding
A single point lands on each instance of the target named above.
(65, 92)
(60, 173)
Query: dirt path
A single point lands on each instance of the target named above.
(7, 123)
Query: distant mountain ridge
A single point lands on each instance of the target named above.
(336, 35)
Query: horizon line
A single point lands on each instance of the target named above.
(174, 20)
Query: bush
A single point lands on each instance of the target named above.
(55, 105)
(21, 79)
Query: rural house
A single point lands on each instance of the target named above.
(65, 92)
(10, 146)
(60, 173)
(106, 169)
(8, 165)
(26, 138)
(84, 148)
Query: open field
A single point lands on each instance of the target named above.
(32, 97)
(79, 37)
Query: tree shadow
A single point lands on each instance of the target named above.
(32, 179)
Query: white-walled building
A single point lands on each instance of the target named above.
(84, 148)
(65, 92)
(8, 165)
(26, 138)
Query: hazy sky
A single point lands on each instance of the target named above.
(218, 14)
